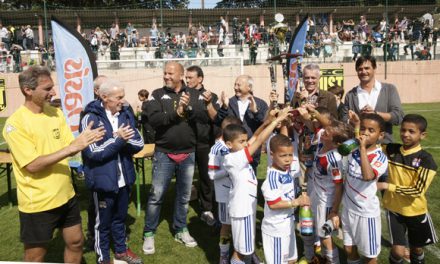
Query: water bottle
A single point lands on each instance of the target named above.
(306, 220)
(348, 146)
(328, 227)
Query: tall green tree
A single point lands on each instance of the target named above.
(120, 4)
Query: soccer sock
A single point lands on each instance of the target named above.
(224, 245)
(357, 261)
(417, 259)
(236, 261)
(331, 255)
(394, 260)
(309, 249)
(224, 249)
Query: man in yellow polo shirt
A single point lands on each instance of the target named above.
(40, 142)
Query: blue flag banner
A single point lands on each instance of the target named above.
(76, 70)
(296, 47)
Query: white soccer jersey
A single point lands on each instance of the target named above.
(360, 195)
(278, 186)
(243, 193)
(327, 171)
(217, 172)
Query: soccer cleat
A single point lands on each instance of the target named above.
(127, 257)
(148, 245)
(256, 259)
(185, 238)
(208, 218)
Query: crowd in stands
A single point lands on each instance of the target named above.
(418, 37)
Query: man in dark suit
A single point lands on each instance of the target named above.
(250, 109)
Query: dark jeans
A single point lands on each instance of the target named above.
(164, 169)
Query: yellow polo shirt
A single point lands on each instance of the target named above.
(29, 136)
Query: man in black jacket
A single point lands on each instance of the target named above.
(172, 113)
(207, 110)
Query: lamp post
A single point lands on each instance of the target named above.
(45, 26)
(161, 16)
(386, 38)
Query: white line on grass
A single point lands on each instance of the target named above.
(2, 143)
(424, 110)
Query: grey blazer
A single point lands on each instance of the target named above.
(387, 102)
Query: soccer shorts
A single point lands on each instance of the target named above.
(243, 234)
(363, 232)
(320, 212)
(223, 213)
(419, 228)
(38, 227)
(279, 250)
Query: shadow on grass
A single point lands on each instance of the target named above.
(5, 201)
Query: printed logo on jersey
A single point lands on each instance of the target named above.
(201, 97)
(56, 133)
(336, 172)
(378, 164)
(166, 97)
(285, 178)
(416, 162)
(9, 128)
(224, 151)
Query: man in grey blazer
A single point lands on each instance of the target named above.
(372, 96)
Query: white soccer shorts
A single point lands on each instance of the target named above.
(243, 234)
(363, 232)
(278, 250)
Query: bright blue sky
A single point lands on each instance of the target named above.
(198, 3)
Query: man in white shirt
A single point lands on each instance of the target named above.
(372, 96)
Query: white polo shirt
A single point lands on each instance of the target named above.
(366, 98)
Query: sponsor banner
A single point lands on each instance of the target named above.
(76, 70)
(331, 77)
(2, 94)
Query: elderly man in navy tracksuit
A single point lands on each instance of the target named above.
(109, 170)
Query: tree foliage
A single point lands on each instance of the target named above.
(82, 4)
(314, 3)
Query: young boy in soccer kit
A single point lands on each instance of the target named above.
(243, 193)
(278, 226)
(410, 172)
(312, 244)
(361, 222)
(327, 179)
(222, 186)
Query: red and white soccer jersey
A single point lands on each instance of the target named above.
(278, 186)
(217, 172)
(360, 195)
(327, 171)
(243, 193)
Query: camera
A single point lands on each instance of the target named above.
(328, 227)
